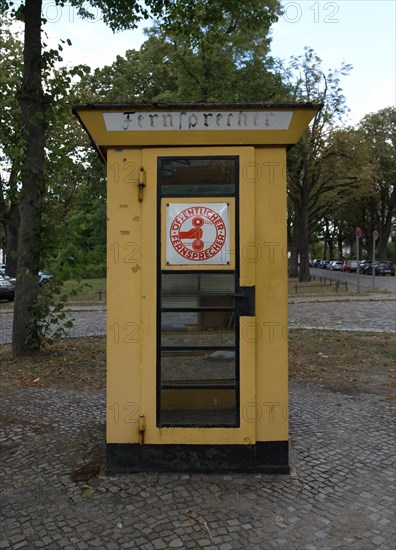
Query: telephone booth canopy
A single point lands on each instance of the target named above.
(196, 283)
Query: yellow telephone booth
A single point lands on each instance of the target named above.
(197, 373)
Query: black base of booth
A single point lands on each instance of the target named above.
(270, 457)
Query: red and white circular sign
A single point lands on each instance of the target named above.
(197, 233)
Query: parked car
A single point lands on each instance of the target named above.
(381, 268)
(11, 279)
(7, 289)
(350, 266)
(44, 277)
(324, 264)
(364, 265)
(335, 265)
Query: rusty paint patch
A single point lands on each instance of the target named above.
(124, 232)
(136, 268)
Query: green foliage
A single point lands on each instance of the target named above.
(360, 163)
(78, 198)
(48, 316)
(217, 45)
(204, 23)
(378, 132)
(120, 14)
(310, 186)
(10, 79)
(214, 51)
(391, 250)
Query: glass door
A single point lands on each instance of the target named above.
(198, 325)
(198, 375)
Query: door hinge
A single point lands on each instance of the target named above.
(141, 183)
(142, 428)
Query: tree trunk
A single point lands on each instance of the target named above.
(12, 226)
(331, 248)
(304, 274)
(33, 125)
(3, 214)
(340, 240)
(292, 248)
(11, 244)
(384, 233)
(293, 264)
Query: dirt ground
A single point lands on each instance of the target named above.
(347, 362)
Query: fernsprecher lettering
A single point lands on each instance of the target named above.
(148, 121)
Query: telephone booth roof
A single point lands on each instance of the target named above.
(119, 125)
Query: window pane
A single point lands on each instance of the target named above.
(198, 408)
(197, 176)
(203, 328)
(198, 367)
(191, 290)
(198, 388)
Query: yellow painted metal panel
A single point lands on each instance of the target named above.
(246, 228)
(132, 312)
(270, 331)
(149, 290)
(94, 124)
(124, 261)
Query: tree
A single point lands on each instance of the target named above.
(215, 50)
(308, 184)
(345, 166)
(212, 47)
(379, 212)
(364, 157)
(32, 101)
(10, 141)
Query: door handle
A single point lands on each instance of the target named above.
(245, 306)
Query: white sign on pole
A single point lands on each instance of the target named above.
(198, 233)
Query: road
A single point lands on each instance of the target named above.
(380, 282)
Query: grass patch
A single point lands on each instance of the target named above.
(350, 362)
(88, 290)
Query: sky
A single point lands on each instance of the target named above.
(357, 32)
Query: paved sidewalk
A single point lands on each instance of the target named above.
(374, 297)
(340, 494)
(373, 312)
(375, 315)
